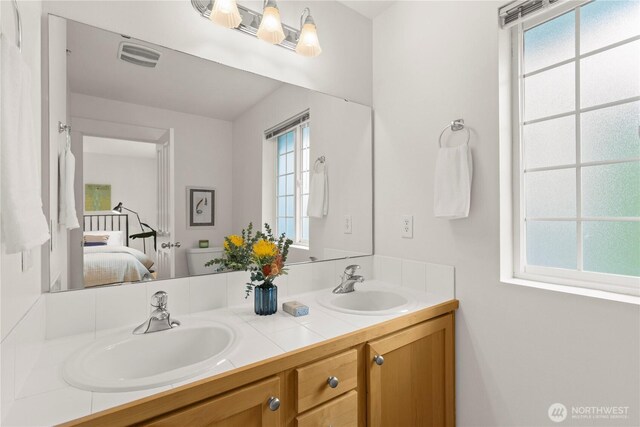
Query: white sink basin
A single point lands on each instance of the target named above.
(374, 302)
(126, 362)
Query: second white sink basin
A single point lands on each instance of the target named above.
(374, 302)
(126, 362)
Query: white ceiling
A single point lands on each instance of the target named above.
(368, 8)
(179, 82)
(118, 147)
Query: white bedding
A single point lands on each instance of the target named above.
(114, 264)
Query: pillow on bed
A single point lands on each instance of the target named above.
(114, 238)
(96, 239)
(90, 243)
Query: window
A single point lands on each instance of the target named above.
(292, 183)
(576, 120)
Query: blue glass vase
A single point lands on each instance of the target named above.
(265, 299)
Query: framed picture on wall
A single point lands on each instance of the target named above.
(201, 203)
(97, 197)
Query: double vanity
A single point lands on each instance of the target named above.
(381, 355)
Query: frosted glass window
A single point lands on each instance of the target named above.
(550, 42)
(552, 244)
(282, 188)
(290, 141)
(550, 92)
(606, 22)
(291, 228)
(551, 194)
(611, 75)
(612, 247)
(580, 187)
(291, 162)
(550, 143)
(611, 133)
(292, 183)
(611, 190)
(291, 189)
(305, 137)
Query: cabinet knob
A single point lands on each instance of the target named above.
(274, 403)
(378, 359)
(333, 382)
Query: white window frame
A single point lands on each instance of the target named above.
(298, 241)
(610, 283)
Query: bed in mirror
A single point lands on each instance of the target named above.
(173, 152)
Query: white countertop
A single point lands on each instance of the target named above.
(46, 399)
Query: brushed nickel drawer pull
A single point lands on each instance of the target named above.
(378, 359)
(333, 382)
(274, 403)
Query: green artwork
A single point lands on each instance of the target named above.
(97, 197)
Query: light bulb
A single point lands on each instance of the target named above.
(308, 43)
(225, 13)
(271, 27)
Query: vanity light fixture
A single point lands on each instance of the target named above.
(266, 25)
(308, 43)
(270, 29)
(225, 13)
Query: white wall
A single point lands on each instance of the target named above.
(518, 349)
(343, 69)
(202, 158)
(19, 290)
(340, 131)
(139, 194)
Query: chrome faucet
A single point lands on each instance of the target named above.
(160, 318)
(349, 279)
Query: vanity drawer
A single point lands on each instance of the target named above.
(313, 387)
(340, 412)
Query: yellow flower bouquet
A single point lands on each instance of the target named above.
(262, 254)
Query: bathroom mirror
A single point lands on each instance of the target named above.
(174, 152)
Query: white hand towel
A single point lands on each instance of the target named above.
(452, 184)
(318, 205)
(24, 225)
(67, 203)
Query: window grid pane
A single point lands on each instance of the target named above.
(606, 190)
(285, 190)
(292, 184)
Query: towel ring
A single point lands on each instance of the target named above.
(455, 126)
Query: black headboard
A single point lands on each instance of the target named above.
(107, 222)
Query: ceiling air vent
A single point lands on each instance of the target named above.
(138, 54)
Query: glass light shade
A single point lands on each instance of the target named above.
(308, 44)
(271, 27)
(225, 13)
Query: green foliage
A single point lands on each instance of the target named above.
(265, 262)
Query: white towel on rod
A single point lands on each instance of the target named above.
(452, 184)
(318, 205)
(24, 225)
(67, 215)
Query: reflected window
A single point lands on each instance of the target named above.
(578, 110)
(292, 183)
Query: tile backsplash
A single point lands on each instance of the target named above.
(97, 311)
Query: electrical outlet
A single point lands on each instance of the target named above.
(406, 230)
(348, 225)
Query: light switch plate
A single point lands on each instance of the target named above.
(347, 224)
(406, 228)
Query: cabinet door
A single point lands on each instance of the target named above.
(412, 384)
(247, 406)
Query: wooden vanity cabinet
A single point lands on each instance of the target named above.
(411, 376)
(248, 406)
(396, 373)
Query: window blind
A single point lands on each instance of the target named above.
(286, 125)
(517, 10)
